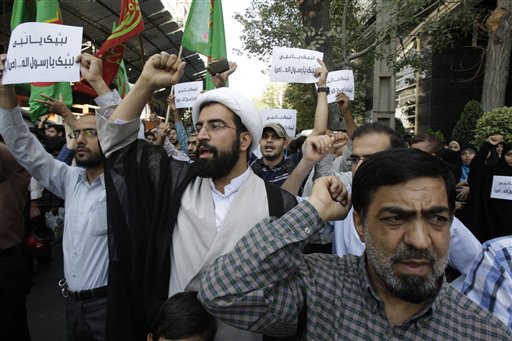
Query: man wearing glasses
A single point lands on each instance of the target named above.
(84, 241)
(170, 218)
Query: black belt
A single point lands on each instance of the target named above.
(83, 294)
(88, 294)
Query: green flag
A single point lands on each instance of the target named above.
(195, 35)
(46, 11)
(204, 32)
(123, 86)
(22, 11)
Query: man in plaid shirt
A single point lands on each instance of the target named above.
(403, 207)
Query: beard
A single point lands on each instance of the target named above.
(92, 160)
(410, 288)
(221, 162)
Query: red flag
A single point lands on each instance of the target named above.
(130, 24)
(112, 50)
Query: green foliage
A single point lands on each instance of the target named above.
(302, 98)
(399, 127)
(464, 130)
(496, 121)
(436, 133)
(270, 23)
(273, 97)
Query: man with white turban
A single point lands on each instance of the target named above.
(170, 219)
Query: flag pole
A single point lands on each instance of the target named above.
(168, 114)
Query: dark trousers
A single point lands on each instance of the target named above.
(86, 320)
(15, 282)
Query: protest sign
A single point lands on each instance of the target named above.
(294, 65)
(340, 81)
(287, 118)
(501, 187)
(42, 52)
(185, 94)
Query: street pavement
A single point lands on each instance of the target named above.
(45, 304)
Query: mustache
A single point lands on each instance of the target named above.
(405, 253)
(202, 145)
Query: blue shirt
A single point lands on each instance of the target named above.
(489, 282)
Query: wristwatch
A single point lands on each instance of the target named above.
(323, 89)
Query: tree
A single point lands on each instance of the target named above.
(273, 97)
(496, 121)
(499, 49)
(345, 30)
(464, 129)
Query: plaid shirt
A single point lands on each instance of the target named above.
(266, 283)
(489, 283)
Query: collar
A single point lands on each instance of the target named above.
(233, 186)
(100, 179)
(277, 166)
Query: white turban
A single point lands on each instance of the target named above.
(237, 103)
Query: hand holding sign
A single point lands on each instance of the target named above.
(340, 81)
(321, 73)
(43, 52)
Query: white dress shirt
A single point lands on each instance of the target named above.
(84, 242)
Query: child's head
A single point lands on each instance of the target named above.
(183, 318)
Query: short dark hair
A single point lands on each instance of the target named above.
(182, 316)
(396, 166)
(435, 145)
(148, 133)
(58, 127)
(395, 140)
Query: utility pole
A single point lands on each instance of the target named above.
(383, 75)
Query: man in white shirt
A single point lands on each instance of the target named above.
(83, 189)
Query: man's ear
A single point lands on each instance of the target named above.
(358, 223)
(287, 141)
(245, 141)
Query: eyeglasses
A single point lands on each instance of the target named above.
(212, 126)
(354, 159)
(88, 132)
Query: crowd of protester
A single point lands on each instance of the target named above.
(180, 231)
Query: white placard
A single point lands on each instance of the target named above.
(42, 52)
(287, 118)
(294, 65)
(340, 81)
(501, 187)
(185, 94)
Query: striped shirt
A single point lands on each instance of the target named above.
(266, 284)
(489, 283)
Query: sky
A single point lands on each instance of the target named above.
(248, 78)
